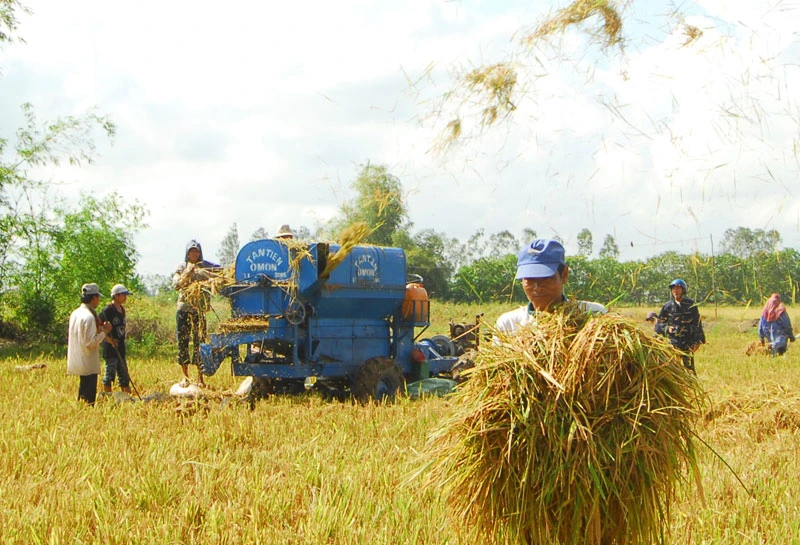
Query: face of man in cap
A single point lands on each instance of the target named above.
(543, 273)
(545, 292)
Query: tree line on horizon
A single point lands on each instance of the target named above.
(749, 268)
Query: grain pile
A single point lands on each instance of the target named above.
(575, 431)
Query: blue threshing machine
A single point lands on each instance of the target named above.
(350, 327)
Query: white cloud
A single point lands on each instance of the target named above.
(259, 113)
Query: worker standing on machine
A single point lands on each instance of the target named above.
(193, 303)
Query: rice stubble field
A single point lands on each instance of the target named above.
(304, 470)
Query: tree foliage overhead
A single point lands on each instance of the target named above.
(8, 19)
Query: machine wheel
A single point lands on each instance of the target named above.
(444, 346)
(379, 378)
(295, 312)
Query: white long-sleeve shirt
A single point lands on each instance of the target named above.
(511, 321)
(83, 356)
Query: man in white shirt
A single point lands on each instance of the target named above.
(86, 332)
(543, 272)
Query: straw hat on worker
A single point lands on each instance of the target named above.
(284, 231)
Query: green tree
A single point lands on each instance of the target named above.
(529, 235)
(746, 242)
(488, 280)
(426, 256)
(502, 244)
(378, 203)
(48, 250)
(609, 248)
(38, 145)
(229, 247)
(474, 248)
(8, 19)
(302, 233)
(585, 243)
(65, 248)
(259, 234)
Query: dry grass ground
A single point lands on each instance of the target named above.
(302, 470)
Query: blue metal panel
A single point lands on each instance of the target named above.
(263, 274)
(350, 341)
(266, 257)
(369, 282)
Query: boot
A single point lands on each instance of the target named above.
(126, 389)
(107, 388)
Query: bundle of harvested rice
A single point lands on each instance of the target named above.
(575, 430)
(198, 293)
(578, 12)
(350, 236)
(298, 251)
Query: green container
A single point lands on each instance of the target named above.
(420, 370)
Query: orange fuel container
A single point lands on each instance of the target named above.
(416, 306)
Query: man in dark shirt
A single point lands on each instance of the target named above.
(114, 345)
(679, 320)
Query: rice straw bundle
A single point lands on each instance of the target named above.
(572, 431)
(298, 251)
(198, 293)
(578, 12)
(350, 237)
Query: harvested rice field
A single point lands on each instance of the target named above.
(301, 469)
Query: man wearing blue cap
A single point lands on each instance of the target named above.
(543, 272)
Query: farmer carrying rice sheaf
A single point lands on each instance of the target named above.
(575, 426)
(543, 272)
(775, 326)
(679, 319)
(193, 303)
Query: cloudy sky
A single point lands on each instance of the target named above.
(260, 113)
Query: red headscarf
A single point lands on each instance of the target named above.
(774, 308)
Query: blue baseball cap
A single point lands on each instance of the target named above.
(540, 259)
